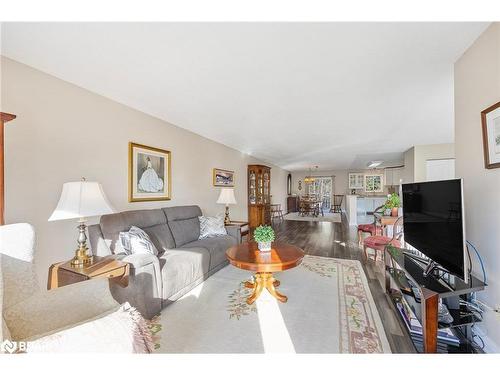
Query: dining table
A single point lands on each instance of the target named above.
(310, 207)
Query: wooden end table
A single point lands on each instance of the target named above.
(248, 257)
(108, 267)
(244, 228)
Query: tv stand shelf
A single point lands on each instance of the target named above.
(404, 268)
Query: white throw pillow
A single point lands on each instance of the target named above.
(211, 226)
(136, 241)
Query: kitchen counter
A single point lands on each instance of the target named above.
(362, 205)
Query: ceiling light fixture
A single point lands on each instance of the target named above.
(310, 178)
(374, 164)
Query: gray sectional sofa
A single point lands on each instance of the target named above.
(183, 261)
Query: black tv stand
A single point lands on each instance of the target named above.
(402, 265)
(430, 267)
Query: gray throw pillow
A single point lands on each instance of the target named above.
(211, 226)
(136, 241)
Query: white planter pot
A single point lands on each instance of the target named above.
(264, 246)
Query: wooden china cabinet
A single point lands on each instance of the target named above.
(259, 195)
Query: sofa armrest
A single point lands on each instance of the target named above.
(53, 309)
(235, 232)
(144, 288)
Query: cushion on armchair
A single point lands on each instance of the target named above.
(4, 330)
(121, 331)
(50, 310)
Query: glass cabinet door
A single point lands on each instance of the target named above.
(266, 188)
(252, 188)
(260, 188)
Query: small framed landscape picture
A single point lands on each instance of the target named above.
(490, 119)
(221, 177)
(149, 173)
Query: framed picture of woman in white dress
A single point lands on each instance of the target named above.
(149, 173)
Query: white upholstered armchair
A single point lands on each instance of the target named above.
(81, 317)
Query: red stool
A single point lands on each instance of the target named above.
(373, 229)
(378, 243)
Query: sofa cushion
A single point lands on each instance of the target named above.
(216, 246)
(183, 223)
(161, 237)
(153, 222)
(181, 267)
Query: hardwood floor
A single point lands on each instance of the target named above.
(339, 240)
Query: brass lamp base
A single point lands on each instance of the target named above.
(81, 259)
(227, 221)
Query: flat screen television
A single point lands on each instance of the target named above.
(433, 222)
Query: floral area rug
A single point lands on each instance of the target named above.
(329, 310)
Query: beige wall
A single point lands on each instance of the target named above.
(415, 166)
(341, 185)
(477, 86)
(409, 166)
(64, 132)
(423, 153)
(340, 181)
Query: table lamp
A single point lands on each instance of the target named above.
(226, 197)
(80, 200)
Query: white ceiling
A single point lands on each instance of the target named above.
(336, 95)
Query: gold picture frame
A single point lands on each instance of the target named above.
(490, 123)
(149, 173)
(219, 177)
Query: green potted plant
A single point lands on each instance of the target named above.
(264, 235)
(393, 203)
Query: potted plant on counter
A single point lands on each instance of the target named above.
(264, 236)
(393, 203)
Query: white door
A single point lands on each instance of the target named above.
(440, 169)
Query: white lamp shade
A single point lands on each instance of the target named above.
(226, 196)
(81, 199)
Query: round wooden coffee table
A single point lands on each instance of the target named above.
(248, 257)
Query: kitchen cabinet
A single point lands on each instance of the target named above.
(393, 176)
(356, 180)
(367, 205)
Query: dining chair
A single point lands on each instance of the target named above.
(276, 211)
(373, 228)
(379, 242)
(337, 203)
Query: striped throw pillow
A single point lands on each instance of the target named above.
(136, 241)
(211, 226)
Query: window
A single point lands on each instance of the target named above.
(321, 187)
(374, 183)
